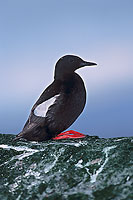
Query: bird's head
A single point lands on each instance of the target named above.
(67, 64)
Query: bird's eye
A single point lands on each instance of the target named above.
(71, 60)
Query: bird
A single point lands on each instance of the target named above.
(60, 104)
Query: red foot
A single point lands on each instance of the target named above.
(69, 134)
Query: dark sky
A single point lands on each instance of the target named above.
(35, 33)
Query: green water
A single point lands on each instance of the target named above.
(73, 169)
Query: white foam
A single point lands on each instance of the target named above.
(93, 176)
(117, 140)
(22, 148)
(106, 150)
(79, 164)
(49, 167)
(30, 172)
(25, 152)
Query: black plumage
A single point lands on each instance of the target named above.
(60, 104)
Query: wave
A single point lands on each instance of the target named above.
(87, 168)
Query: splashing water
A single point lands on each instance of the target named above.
(87, 168)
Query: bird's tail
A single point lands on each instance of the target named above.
(19, 136)
(26, 132)
(38, 133)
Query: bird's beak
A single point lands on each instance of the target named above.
(85, 63)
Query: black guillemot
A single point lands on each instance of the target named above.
(60, 104)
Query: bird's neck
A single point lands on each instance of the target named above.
(66, 77)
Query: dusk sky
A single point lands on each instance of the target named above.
(34, 34)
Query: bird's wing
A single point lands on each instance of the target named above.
(40, 108)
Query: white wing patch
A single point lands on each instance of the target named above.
(42, 108)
